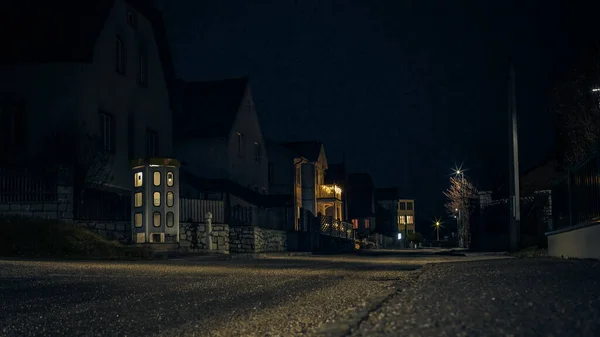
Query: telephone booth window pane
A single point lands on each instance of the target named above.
(137, 179)
(170, 179)
(170, 219)
(156, 219)
(170, 199)
(138, 199)
(156, 199)
(156, 178)
(137, 220)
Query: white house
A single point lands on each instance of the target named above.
(102, 65)
(220, 143)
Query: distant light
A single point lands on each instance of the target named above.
(456, 209)
(457, 171)
(437, 223)
(596, 90)
(399, 236)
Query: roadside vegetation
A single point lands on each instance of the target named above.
(41, 238)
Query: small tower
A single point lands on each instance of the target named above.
(155, 201)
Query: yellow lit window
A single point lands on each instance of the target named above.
(156, 178)
(138, 199)
(170, 179)
(156, 199)
(137, 220)
(355, 223)
(410, 219)
(156, 219)
(137, 179)
(401, 219)
(170, 219)
(170, 199)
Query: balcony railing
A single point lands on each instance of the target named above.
(336, 228)
(329, 192)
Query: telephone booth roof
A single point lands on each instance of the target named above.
(155, 161)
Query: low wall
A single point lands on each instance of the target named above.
(252, 239)
(50, 210)
(114, 230)
(579, 242)
(193, 237)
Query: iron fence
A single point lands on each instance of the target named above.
(23, 186)
(576, 198)
(94, 204)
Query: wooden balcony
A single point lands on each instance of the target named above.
(330, 192)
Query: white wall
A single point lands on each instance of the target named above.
(120, 94)
(578, 243)
(244, 169)
(204, 157)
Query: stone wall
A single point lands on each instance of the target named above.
(252, 239)
(113, 230)
(192, 237)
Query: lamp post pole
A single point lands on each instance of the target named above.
(515, 212)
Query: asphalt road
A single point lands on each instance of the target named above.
(279, 296)
(516, 297)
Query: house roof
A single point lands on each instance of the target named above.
(336, 174)
(307, 149)
(388, 193)
(209, 109)
(360, 180)
(37, 32)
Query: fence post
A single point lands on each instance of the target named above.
(208, 219)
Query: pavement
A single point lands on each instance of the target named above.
(373, 293)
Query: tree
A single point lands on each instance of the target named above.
(81, 153)
(577, 111)
(457, 197)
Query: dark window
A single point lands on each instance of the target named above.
(120, 56)
(108, 132)
(271, 171)
(152, 146)
(143, 68)
(409, 206)
(12, 125)
(257, 152)
(131, 19)
(298, 175)
(131, 136)
(402, 206)
(240, 141)
(170, 219)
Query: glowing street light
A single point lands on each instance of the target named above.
(596, 90)
(437, 225)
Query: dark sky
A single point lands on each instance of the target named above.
(404, 88)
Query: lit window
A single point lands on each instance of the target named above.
(170, 199)
(355, 223)
(170, 219)
(156, 178)
(137, 220)
(170, 179)
(156, 219)
(137, 179)
(367, 223)
(156, 199)
(409, 219)
(401, 219)
(138, 199)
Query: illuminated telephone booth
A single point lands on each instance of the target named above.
(155, 201)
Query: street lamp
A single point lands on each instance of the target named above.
(437, 227)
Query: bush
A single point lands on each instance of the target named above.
(415, 237)
(35, 237)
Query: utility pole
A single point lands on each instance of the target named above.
(514, 199)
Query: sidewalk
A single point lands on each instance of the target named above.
(507, 297)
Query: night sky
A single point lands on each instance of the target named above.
(404, 88)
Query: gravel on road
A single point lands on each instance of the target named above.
(280, 296)
(506, 297)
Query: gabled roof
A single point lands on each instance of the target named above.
(360, 180)
(37, 32)
(307, 149)
(209, 109)
(336, 174)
